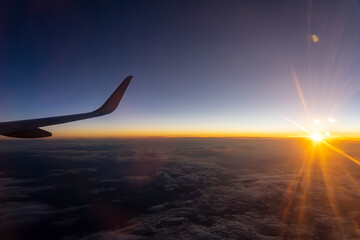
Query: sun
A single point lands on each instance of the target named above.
(316, 137)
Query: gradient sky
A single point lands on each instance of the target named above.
(201, 68)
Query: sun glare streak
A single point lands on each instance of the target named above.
(306, 185)
(309, 12)
(295, 185)
(354, 182)
(307, 174)
(298, 125)
(329, 186)
(299, 89)
(316, 136)
(318, 178)
(342, 152)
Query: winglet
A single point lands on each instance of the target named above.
(113, 101)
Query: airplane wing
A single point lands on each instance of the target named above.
(31, 128)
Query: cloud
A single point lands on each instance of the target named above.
(13, 188)
(61, 172)
(217, 203)
(101, 190)
(186, 189)
(16, 213)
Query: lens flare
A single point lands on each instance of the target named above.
(331, 120)
(314, 38)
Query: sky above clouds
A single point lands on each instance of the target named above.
(201, 68)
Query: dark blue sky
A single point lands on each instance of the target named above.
(199, 67)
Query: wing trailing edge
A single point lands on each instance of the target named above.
(31, 133)
(31, 128)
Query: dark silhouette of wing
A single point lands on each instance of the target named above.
(31, 128)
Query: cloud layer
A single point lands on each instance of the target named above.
(177, 189)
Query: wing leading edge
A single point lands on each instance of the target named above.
(31, 128)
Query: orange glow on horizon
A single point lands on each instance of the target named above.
(146, 133)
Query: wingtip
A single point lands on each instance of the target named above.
(113, 101)
(128, 78)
